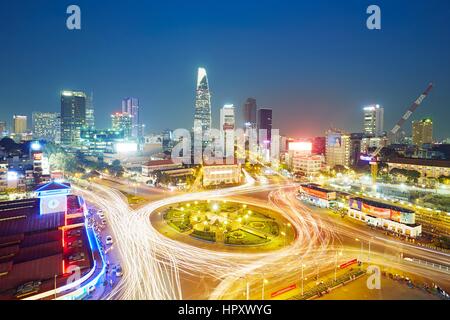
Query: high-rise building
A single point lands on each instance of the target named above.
(265, 122)
(131, 107)
(19, 124)
(227, 118)
(422, 132)
(167, 140)
(3, 128)
(202, 117)
(73, 117)
(250, 109)
(47, 126)
(373, 120)
(337, 149)
(90, 114)
(123, 122)
(355, 147)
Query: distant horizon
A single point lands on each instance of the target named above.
(315, 65)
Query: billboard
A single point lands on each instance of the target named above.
(376, 212)
(334, 140)
(316, 193)
(355, 204)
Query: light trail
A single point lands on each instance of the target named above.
(153, 263)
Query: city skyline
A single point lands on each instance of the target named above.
(312, 89)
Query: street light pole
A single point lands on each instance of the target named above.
(335, 267)
(302, 278)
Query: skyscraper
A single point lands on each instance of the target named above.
(422, 132)
(19, 124)
(202, 117)
(265, 122)
(227, 118)
(47, 126)
(73, 117)
(250, 108)
(337, 149)
(373, 120)
(123, 122)
(131, 107)
(90, 114)
(3, 128)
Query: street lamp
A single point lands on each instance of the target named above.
(265, 281)
(361, 252)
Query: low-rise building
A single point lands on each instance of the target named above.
(217, 174)
(159, 165)
(317, 195)
(307, 165)
(392, 218)
(426, 167)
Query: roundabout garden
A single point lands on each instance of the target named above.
(229, 223)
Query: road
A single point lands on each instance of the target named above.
(156, 267)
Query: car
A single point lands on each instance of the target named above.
(76, 257)
(74, 233)
(109, 240)
(27, 289)
(75, 244)
(101, 216)
(91, 289)
(103, 221)
(119, 271)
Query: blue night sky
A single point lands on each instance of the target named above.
(314, 62)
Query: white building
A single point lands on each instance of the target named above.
(47, 126)
(337, 148)
(214, 175)
(308, 165)
(373, 120)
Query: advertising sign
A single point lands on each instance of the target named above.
(355, 204)
(316, 193)
(284, 290)
(376, 212)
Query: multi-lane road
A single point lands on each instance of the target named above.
(157, 267)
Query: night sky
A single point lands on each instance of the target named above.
(314, 62)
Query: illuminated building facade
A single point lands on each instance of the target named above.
(337, 149)
(90, 114)
(73, 117)
(385, 216)
(250, 111)
(316, 195)
(123, 122)
(373, 120)
(47, 126)
(19, 124)
(202, 116)
(97, 142)
(265, 123)
(214, 175)
(422, 132)
(131, 107)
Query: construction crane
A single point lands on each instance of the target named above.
(394, 131)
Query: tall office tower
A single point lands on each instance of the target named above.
(90, 114)
(265, 122)
(355, 147)
(373, 120)
(73, 117)
(227, 124)
(47, 126)
(337, 149)
(19, 124)
(227, 118)
(123, 122)
(3, 128)
(422, 132)
(131, 106)
(202, 117)
(167, 140)
(250, 108)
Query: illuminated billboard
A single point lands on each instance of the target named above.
(126, 147)
(300, 146)
(334, 140)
